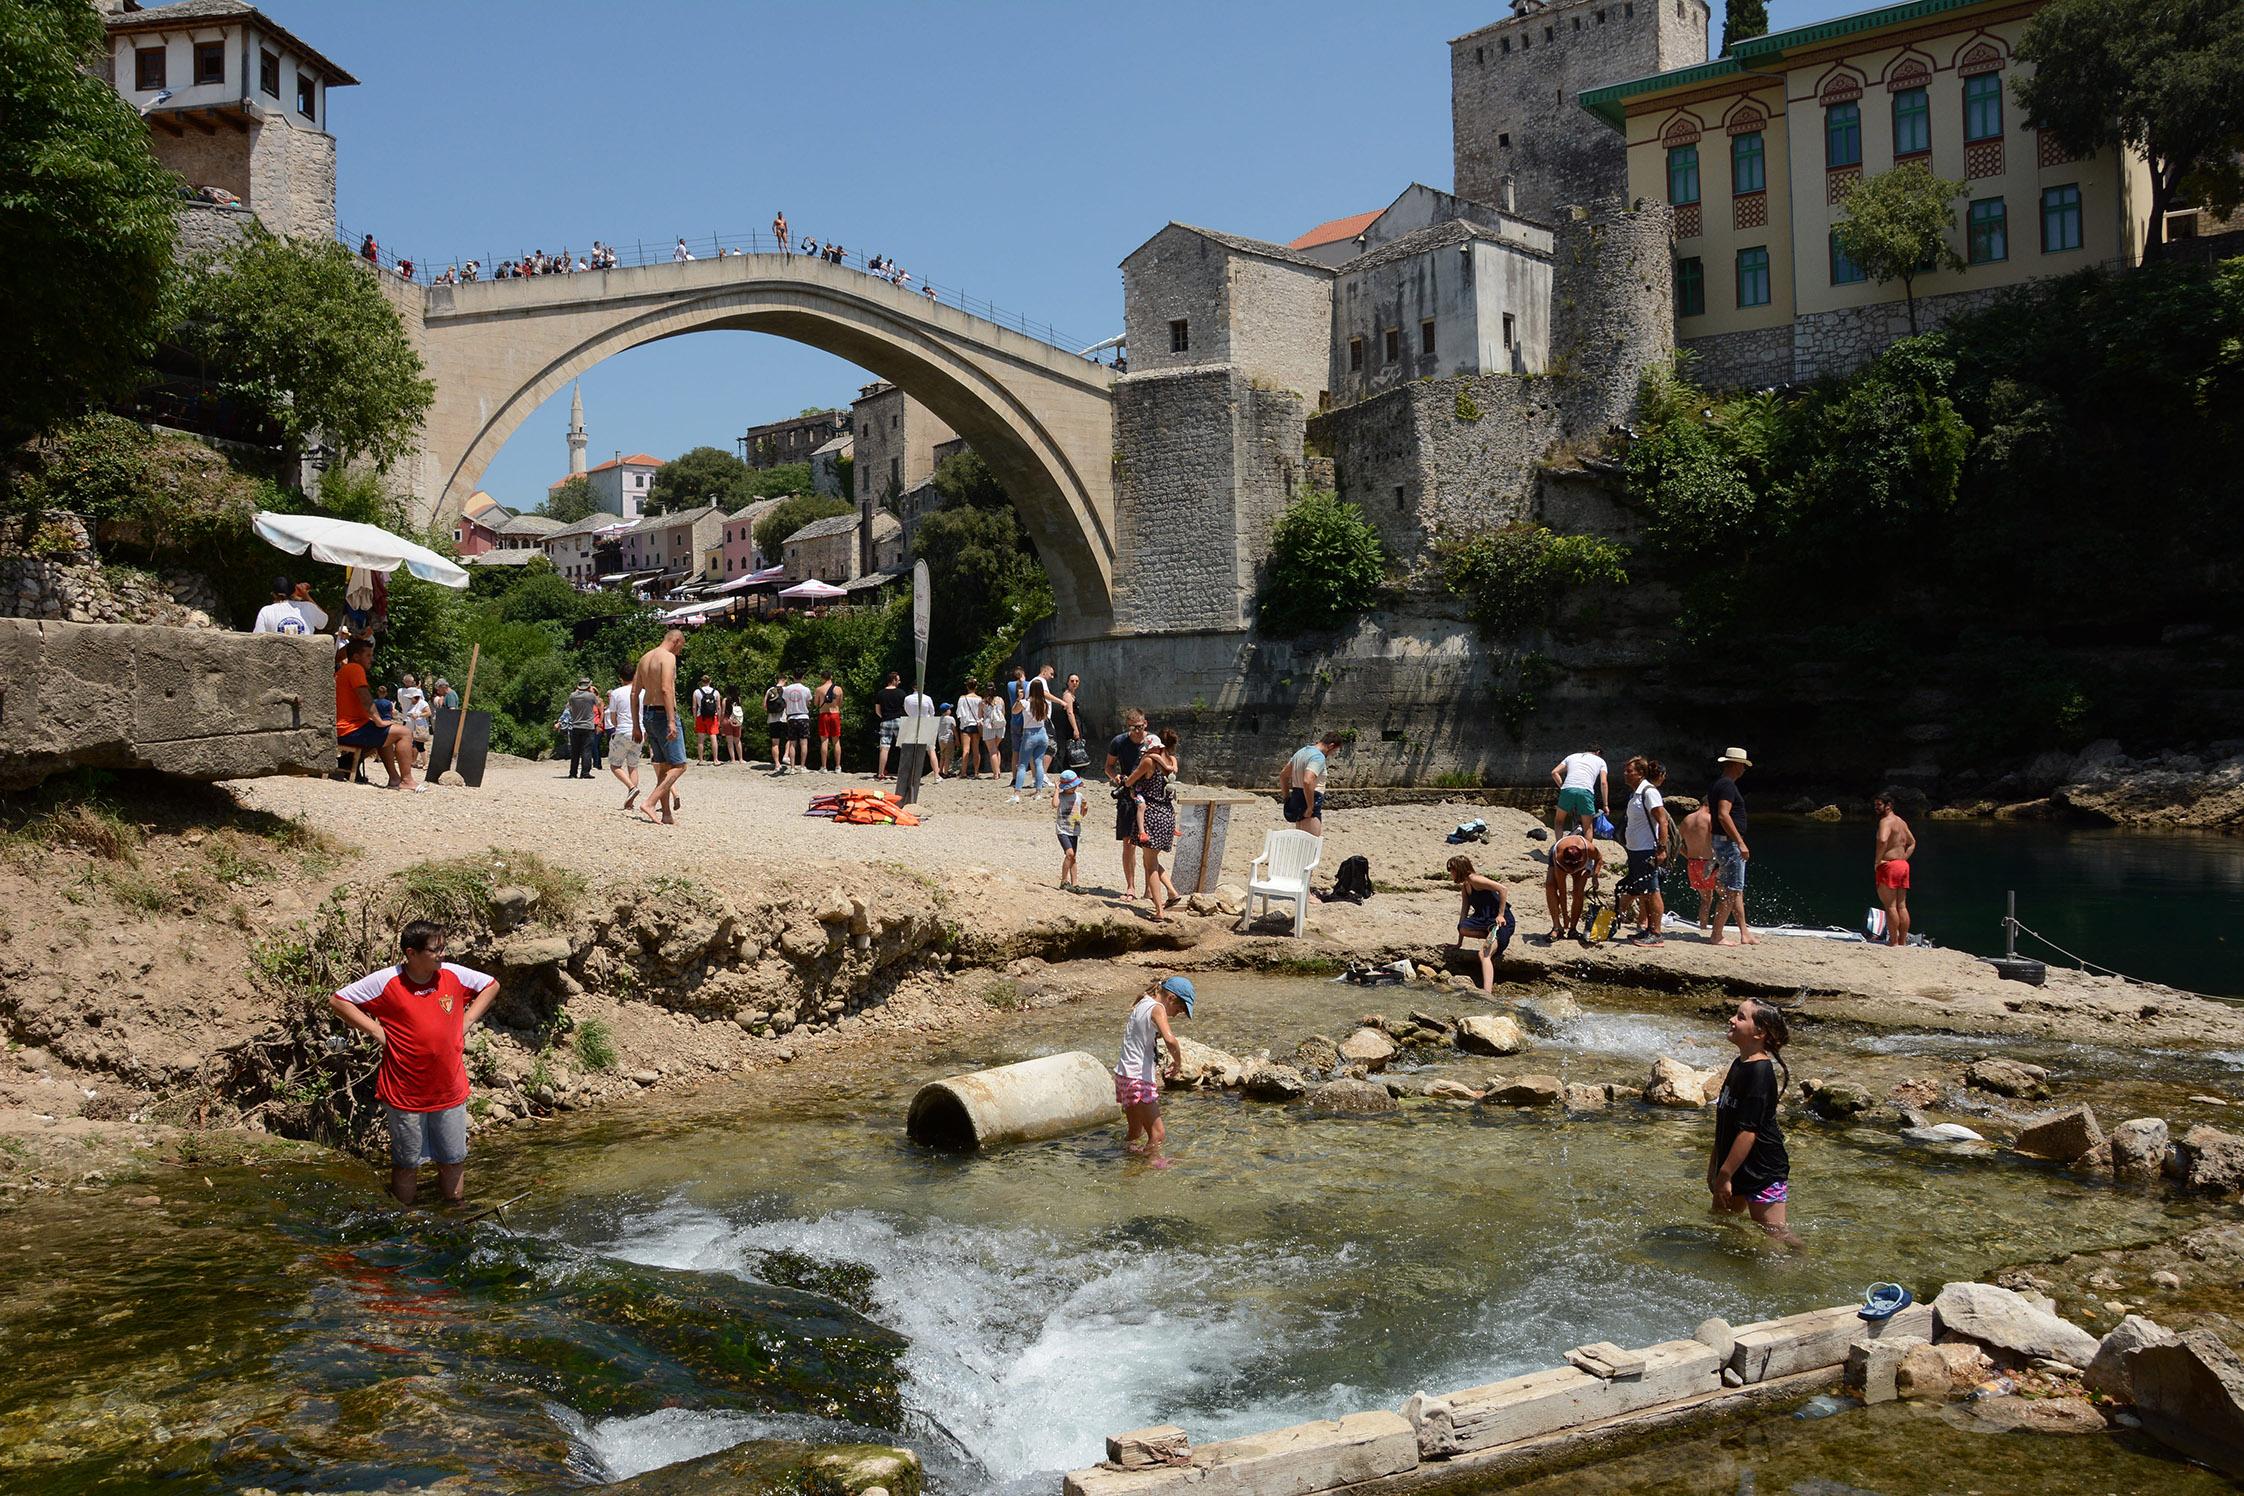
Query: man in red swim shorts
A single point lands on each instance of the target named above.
(1896, 844)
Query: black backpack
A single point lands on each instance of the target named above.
(1353, 881)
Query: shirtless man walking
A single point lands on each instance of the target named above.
(1698, 861)
(655, 723)
(1896, 844)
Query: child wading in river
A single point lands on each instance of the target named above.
(1069, 802)
(1137, 1076)
(1484, 913)
(1749, 1169)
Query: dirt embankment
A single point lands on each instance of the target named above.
(167, 951)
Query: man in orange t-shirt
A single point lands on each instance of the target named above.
(356, 726)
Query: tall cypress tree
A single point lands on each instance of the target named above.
(1742, 20)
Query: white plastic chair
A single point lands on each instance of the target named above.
(1282, 872)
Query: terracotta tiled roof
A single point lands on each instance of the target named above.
(1337, 229)
(636, 459)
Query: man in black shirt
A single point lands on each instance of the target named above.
(888, 709)
(1122, 757)
(1727, 802)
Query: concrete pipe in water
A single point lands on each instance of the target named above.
(1043, 1098)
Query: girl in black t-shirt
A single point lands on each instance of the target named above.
(1749, 1169)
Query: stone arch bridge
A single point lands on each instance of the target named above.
(1041, 417)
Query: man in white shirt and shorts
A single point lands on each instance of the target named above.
(1582, 790)
(623, 746)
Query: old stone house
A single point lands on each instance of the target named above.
(827, 549)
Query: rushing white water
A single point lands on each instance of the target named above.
(619, 1448)
(1026, 1350)
(1695, 1041)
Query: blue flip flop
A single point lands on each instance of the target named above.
(1883, 1301)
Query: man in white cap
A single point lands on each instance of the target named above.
(1731, 854)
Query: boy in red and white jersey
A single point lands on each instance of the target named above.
(419, 1011)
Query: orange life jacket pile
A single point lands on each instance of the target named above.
(864, 808)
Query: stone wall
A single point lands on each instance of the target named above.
(292, 179)
(1269, 317)
(1613, 315)
(1843, 339)
(49, 569)
(1206, 462)
(198, 703)
(1512, 98)
(206, 228)
(1754, 359)
(1281, 324)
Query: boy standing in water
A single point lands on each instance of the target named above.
(1890, 867)
(1137, 1076)
(1749, 1169)
(419, 1011)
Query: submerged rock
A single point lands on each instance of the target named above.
(762, 1466)
(1205, 1066)
(1587, 1098)
(1369, 1048)
(2011, 1078)
(1526, 1090)
(1836, 1100)
(1265, 1081)
(1317, 1053)
(1359, 1097)
(1490, 1033)
(2007, 1321)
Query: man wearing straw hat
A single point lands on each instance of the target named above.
(1731, 854)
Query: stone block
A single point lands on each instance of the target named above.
(1874, 1362)
(1140, 1449)
(199, 703)
(2061, 1136)
(1297, 1461)
(1817, 1340)
(1563, 1397)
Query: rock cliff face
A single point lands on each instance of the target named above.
(2190, 791)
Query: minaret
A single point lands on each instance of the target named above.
(576, 431)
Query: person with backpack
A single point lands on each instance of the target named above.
(1645, 837)
(775, 719)
(707, 702)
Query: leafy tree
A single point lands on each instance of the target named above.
(697, 476)
(2163, 77)
(1742, 20)
(779, 482)
(845, 473)
(300, 332)
(1890, 446)
(88, 217)
(1326, 566)
(805, 509)
(572, 501)
(1897, 227)
(965, 481)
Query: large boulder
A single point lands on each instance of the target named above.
(2107, 1371)
(2007, 1078)
(1205, 1066)
(1354, 1097)
(2007, 1321)
(2211, 1161)
(2190, 1394)
(2062, 1136)
(1490, 1033)
(1369, 1048)
(1525, 1090)
(1265, 1081)
(1673, 1083)
(2139, 1149)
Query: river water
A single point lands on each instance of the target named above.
(2159, 906)
(777, 1261)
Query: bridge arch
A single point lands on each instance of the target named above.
(1041, 417)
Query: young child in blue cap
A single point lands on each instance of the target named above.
(1069, 804)
(1137, 1076)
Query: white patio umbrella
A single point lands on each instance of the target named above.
(814, 591)
(344, 542)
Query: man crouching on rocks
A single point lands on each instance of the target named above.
(420, 1012)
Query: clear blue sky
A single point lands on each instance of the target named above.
(1020, 150)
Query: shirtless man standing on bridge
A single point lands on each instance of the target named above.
(654, 699)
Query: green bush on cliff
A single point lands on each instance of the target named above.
(1515, 578)
(1326, 566)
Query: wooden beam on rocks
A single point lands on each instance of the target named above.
(1816, 1340)
(1298, 1461)
(1606, 1361)
(1162, 1444)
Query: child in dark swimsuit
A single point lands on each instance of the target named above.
(1484, 913)
(1749, 1169)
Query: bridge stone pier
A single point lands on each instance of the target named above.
(1041, 417)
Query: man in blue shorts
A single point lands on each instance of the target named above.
(1302, 781)
(654, 701)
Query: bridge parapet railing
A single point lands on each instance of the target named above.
(638, 253)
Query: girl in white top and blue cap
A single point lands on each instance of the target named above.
(1137, 1076)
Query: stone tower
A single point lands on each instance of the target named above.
(1513, 89)
(576, 431)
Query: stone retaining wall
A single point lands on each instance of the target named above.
(199, 703)
(49, 569)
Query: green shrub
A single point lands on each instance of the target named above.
(596, 1045)
(793, 514)
(1326, 566)
(1514, 578)
(1468, 409)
